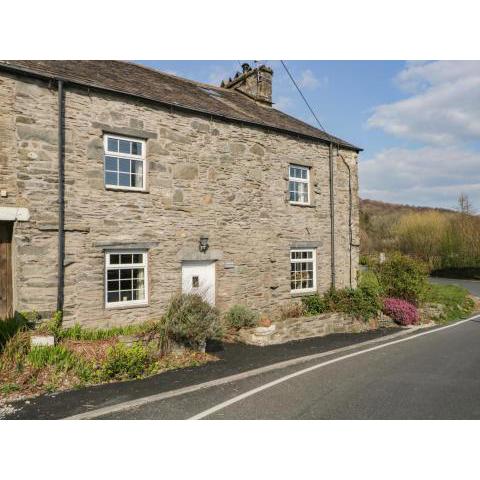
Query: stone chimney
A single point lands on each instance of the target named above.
(255, 83)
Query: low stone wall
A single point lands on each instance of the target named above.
(311, 326)
(431, 312)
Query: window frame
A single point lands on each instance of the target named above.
(299, 180)
(312, 289)
(109, 266)
(129, 156)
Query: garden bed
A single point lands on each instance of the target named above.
(77, 357)
(92, 357)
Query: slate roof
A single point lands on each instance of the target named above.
(147, 83)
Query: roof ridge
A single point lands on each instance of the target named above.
(171, 75)
(142, 81)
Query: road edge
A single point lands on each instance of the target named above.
(261, 388)
(122, 406)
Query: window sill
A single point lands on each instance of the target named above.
(307, 205)
(126, 189)
(125, 306)
(303, 293)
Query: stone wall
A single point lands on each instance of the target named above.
(311, 326)
(205, 176)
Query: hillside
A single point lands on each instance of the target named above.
(378, 219)
(447, 240)
(375, 207)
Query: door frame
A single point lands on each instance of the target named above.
(6, 270)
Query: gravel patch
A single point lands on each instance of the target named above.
(6, 410)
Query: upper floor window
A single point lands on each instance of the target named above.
(124, 163)
(298, 184)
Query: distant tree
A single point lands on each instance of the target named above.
(422, 234)
(464, 205)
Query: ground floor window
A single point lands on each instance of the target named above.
(302, 270)
(125, 278)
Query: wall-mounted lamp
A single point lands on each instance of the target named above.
(203, 244)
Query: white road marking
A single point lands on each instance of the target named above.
(90, 414)
(273, 383)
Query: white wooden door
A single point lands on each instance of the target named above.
(199, 277)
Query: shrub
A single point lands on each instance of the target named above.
(314, 304)
(356, 302)
(126, 362)
(191, 320)
(240, 316)
(369, 283)
(401, 311)
(291, 310)
(361, 302)
(403, 277)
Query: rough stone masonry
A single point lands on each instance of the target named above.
(221, 178)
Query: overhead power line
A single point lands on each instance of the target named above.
(303, 96)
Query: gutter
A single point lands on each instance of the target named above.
(37, 74)
(61, 196)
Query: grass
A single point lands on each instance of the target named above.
(9, 388)
(58, 356)
(456, 300)
(77, 332)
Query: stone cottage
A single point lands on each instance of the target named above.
(121, 185)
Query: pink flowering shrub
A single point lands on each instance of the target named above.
(400, 311)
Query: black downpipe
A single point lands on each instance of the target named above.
(350, 233)
(61, 196)
(332, 217)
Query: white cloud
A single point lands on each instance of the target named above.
(444, 106)
(429, 175)
(309, 81)
(284, 103)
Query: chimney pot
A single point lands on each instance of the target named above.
(256, 83)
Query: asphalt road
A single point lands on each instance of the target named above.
(433, 376)
(472, 285)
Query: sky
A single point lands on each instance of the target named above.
(418, 122)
